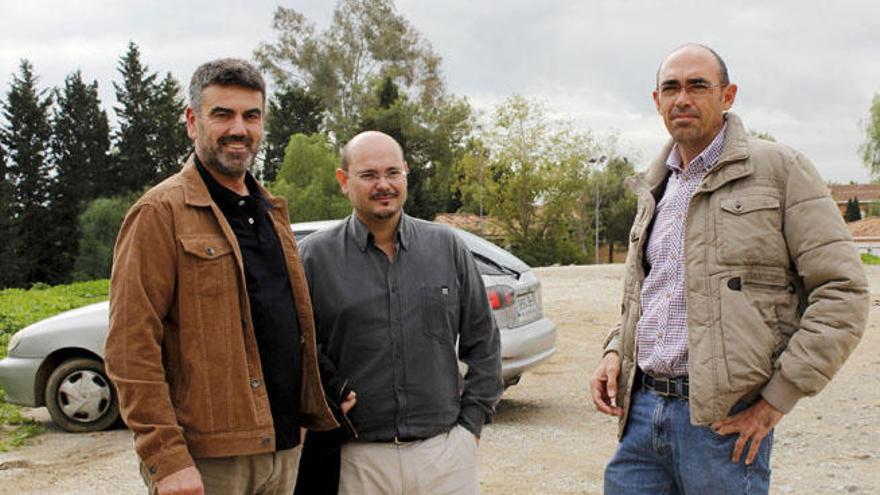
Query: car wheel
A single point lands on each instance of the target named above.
(80, 397)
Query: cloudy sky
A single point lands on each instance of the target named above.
(807, 70)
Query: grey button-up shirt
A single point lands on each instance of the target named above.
(391, 328)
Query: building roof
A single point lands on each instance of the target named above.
(471, 223)
(864, 192)
(869, 227)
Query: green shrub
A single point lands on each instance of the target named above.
(870, 259)
(100, 224)
(19, 308)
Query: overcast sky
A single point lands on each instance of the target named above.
(806, 70)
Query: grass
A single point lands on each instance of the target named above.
(14, 427)
(18, 309)
(870, 259)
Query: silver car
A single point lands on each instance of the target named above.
(58, 362)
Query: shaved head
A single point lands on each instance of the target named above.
(367, 138)
(723, 76)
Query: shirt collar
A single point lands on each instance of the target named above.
(704, 161)
(363, 237)
(226, 198)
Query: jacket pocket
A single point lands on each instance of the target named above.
(211, 262)
(440, 307)
(749, 231)
(749, 336)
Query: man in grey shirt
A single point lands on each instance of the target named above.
(398, 302)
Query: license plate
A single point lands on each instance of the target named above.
(526, 305)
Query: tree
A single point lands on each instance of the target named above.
(8, 262)
(621, 204)
(853, 211)
(99, 224)
(80, 144)
(171, 142)
(766, 136)
(135, 164)
(365, 41)
(519, 176)
(292, 110)
(433, 140)
(307, 180)
(870, 149)
(26, 137)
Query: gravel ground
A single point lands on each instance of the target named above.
(547, 437)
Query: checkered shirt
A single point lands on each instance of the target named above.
(662, 328)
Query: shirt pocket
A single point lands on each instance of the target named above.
(440, 312)
(211, 264)
(750, 231)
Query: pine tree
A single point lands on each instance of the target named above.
(172, 145)
(8, 262)
(26, 136)
(80, 144)
(134, 164)
(292, 110)
(853, 212)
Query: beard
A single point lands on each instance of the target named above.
(388, 213)
(226, 163)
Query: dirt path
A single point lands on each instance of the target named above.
(547, 439)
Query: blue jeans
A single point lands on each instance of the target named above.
(662, 453)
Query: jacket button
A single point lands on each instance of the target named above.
(266, 440)
(210, 251)
(255, 383)
(734, 283)
(152, 469)
(738, 206)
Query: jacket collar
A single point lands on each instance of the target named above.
(196, 191)
(732, 164)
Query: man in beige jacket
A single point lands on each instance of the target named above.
(743, 294)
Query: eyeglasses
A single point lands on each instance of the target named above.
(394, 175)
(696, 88)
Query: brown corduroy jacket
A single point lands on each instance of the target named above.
(181, 348)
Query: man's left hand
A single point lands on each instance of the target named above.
(752, 424)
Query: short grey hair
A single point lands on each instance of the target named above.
(225, 72)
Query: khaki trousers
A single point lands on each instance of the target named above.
(273, 473)
(445, 464)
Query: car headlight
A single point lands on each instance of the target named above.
(13, 342)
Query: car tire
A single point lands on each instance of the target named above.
(80, 397)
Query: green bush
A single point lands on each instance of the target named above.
(100, 224)
(870, 259)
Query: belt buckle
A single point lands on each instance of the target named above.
(666, 392)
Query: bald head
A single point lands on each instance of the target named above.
(367, 140)
(695, 48)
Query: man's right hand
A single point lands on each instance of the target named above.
(187, 481)
(603, 385)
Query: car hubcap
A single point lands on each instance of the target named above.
(84, 396)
